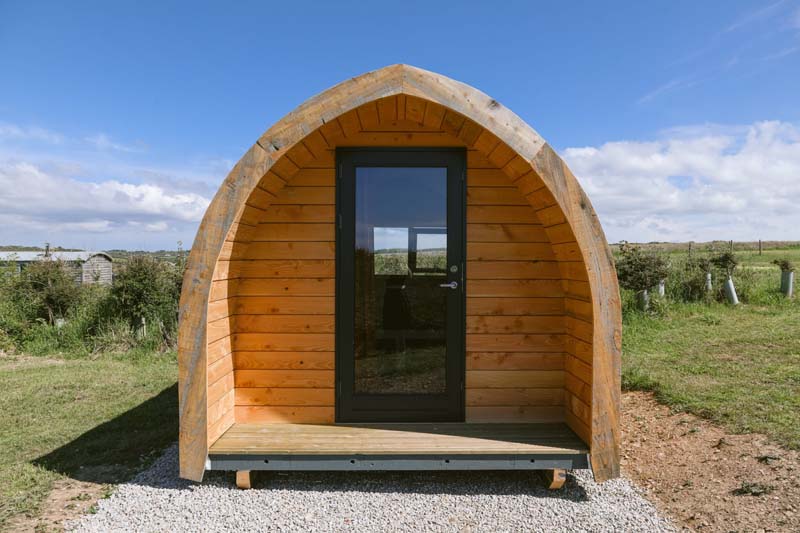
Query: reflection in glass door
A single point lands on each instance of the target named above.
(400, 289)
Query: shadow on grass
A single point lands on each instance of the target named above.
(115, 450)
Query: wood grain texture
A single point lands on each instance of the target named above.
(397, 439)
(498, 139)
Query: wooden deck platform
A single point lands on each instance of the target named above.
(419, 446)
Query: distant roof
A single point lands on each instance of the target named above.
(38, 256)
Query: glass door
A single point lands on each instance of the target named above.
(400, 285)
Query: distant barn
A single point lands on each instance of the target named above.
(89, 267)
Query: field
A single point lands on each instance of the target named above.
(94, 419)
(739, 366)
(62, 415)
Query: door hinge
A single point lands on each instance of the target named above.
(340, 221)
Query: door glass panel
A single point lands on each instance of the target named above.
(400, 261)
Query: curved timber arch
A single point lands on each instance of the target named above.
(388, 107)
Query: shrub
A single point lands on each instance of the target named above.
(687, 280)
(640, 270)
(146, 292)
(784, 264)
(46, 290)
(726, 262)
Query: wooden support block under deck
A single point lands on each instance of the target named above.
(555, 478)
(243, 479)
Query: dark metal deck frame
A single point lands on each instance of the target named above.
(378, 463)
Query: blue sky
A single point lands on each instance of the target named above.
(119, 120)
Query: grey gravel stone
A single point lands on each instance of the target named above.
(157, 500)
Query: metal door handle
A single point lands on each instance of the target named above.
(451, 285)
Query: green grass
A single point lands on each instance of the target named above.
(90, 419)
(739, 366)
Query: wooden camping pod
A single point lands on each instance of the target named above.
(257, 314)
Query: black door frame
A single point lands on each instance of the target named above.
(446, 407)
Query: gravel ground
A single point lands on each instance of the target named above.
(157, 500)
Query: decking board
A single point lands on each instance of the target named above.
(398, 439)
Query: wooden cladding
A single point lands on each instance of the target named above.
(528, 324)
(515, 324)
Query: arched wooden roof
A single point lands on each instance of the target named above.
(532, 153)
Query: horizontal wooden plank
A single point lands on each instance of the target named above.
(284, 342)
(222, 406)
(306, 196)
(567, 252)
(247, 414)
(299, 213)
(578, 348)
(505, 233)
(498, 288)
(220, 368)
(286, 250)
(283, 323)
(218, 329)
(487, 177)
(551, 216)
(578, 426)
(514, 361)
(495, 196)
(219, 309)
(260, 198)
(313, 379)
(574, 270)
(578, 368)
(260, 360)
(282, 268)
(477, 342)
(401, 138)
(581, 389)
(580, 309)
(284, 396)
(513, 397)
(218, 428)
(217, 389)
(218, 349)
(276, 231)
(221, 290)
(578, 289)
(513, 270)
(501, 214)
(399, 439)
(514, 306)
(580, 329)
(284, 305)
(287, 287)
(314, 177)
(581, 411)
(505, 379)
(522, 413)
(560, 233)
(509, 251)
(515, 324)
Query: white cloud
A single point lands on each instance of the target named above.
(34, 198)
(697, 183)
(103, 142)
(15, 132)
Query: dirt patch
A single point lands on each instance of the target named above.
(705, 478)
(68, 500)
